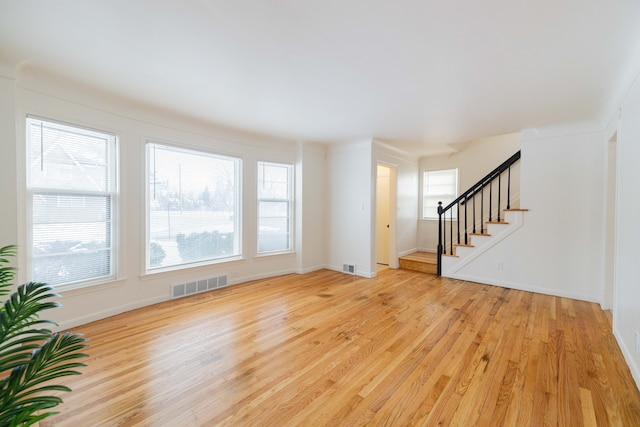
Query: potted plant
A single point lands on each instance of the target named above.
(31, 356)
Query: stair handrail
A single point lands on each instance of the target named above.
(470, 194)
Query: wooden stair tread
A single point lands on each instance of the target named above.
(428, 257)
(465, 245)
(516, 210)
(480, 234)
(496, 222)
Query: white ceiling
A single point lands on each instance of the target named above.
(416, 73)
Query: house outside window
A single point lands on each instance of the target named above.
(438, 186)
(275, 207)
(72, 195)
(193, 207)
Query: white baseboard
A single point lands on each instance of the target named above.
(429, 250)
(111, 311)
(407, 252)
(627, 354)
(524, 287)
(243, 279)
(368, 275)
(310, 269)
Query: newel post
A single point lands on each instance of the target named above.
(439, 238)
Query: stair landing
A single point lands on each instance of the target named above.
(425, 262)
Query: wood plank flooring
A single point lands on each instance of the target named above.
(325, 348)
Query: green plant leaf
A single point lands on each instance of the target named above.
(21, 310)
(7, 273)
(31, 356)
(26, 381)
(26, 416)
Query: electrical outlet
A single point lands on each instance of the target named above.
(638, 341)
(500, 265)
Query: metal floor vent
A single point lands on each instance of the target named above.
(184, 289)
(349, 268)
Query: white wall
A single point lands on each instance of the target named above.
(350, 207)
(8, 174)
(351, 204)
(47, 97)
(474, 160)
(559, 249)
(626, 305)
(311, 192)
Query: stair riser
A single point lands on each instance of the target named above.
(419, 266)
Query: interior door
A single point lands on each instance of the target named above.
(382, 215)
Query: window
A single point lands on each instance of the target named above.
(439, 186)
(275, 206)
(72, 195)
(192, 207)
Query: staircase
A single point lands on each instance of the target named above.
(478, 243)
(471, 224)
(465, 217)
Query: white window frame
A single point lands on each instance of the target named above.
(290, 204)
(238, 250)
(64, 196)
(445, 198)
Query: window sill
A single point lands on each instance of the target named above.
(267, 255)
(175, 271)
(80, 288)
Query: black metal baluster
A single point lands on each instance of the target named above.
(439, 265)
(499, 175)
(509, 189)
(465, 220)
(458, 218)
(451, 229)
(444, 234)
(482, 210)
(490, 199)
(474, 212)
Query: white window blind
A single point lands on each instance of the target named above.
(192, 207)
(71, 186)
(439, 186)
(275, 207)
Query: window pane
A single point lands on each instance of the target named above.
(439, 186)
(71, 238)
(273, 234)
(85, 219)
(274, 207)
(64, 157)
(273, 227)
(273, 181)
(71, 178)
(192, 207)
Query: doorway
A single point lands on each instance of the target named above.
(385, 217)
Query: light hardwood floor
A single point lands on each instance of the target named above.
(331, 349)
